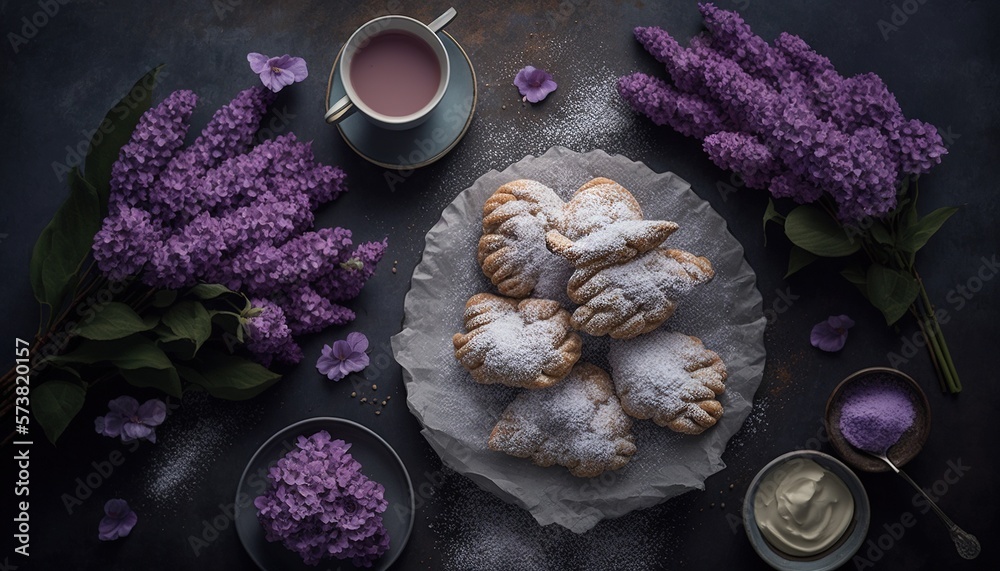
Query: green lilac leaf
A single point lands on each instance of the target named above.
(65, 243)
(229, 376)
(771, 215)
(166, 380)
(891, 291)
(815, 231)
(133, 352)
(881, 234)
(914, 236)
(798, 259)
(210, 291)
(229, 321)
(164, 298)
(55, 404)
(113, 132)
(113, 320)
(189, 320)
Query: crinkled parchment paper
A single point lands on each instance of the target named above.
(458, 414)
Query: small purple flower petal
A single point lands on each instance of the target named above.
(341, 350)
(118, 520)
(357, 341)
(130, 421)
(356, 362)
(277, 72)
(344, 357)
(135, 431)
(124, 405)
(109, 424)
(534, 84)
(294, 65)
(152, 412)
(831, 335)
(258, 62)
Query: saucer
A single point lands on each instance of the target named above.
(425, 143)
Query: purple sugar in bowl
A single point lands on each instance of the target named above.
(874, 409)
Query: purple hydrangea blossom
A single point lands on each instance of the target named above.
(782, 117)
(278, 72)
(830, 335)
(222, 211)
(118, 520)
(130, 421)
(319, 504)
(534, 84)
(344, 357)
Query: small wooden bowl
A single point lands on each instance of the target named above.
(909, 443)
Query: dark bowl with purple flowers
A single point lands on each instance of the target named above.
(895, 415)
(367, 470)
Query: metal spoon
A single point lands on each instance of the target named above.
(966, 543)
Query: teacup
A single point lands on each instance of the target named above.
(395, 71)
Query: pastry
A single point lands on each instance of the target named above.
(668, 377)
(612, 244)
(631, 298)
(625, 283)
(596, 204)
(512, 250)
(519, 343)
(578, 423)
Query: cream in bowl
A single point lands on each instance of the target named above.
(806, 510)
(802, 508)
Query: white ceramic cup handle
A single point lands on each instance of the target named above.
(341, 110)
(441, 21)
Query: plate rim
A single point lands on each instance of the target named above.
(431, 160)
(333, 420)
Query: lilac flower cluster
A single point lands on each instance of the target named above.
(320, 505)
(224, 211)
(782, 118)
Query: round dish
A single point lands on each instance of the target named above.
(909, 443)
(426, 143)
(458, 414)
(378, 461)
(834, 556)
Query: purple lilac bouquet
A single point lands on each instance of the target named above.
(320, 505)
(222, 212)
(780, 117)
(179, 267)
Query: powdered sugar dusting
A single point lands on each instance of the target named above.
(659, 374)
(478, 532)
(577, 423)
(596, 207)
(191, 442)
(524, 237)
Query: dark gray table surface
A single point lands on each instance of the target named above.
(60, 74)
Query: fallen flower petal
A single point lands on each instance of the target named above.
(831, 335)
(534, 84)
